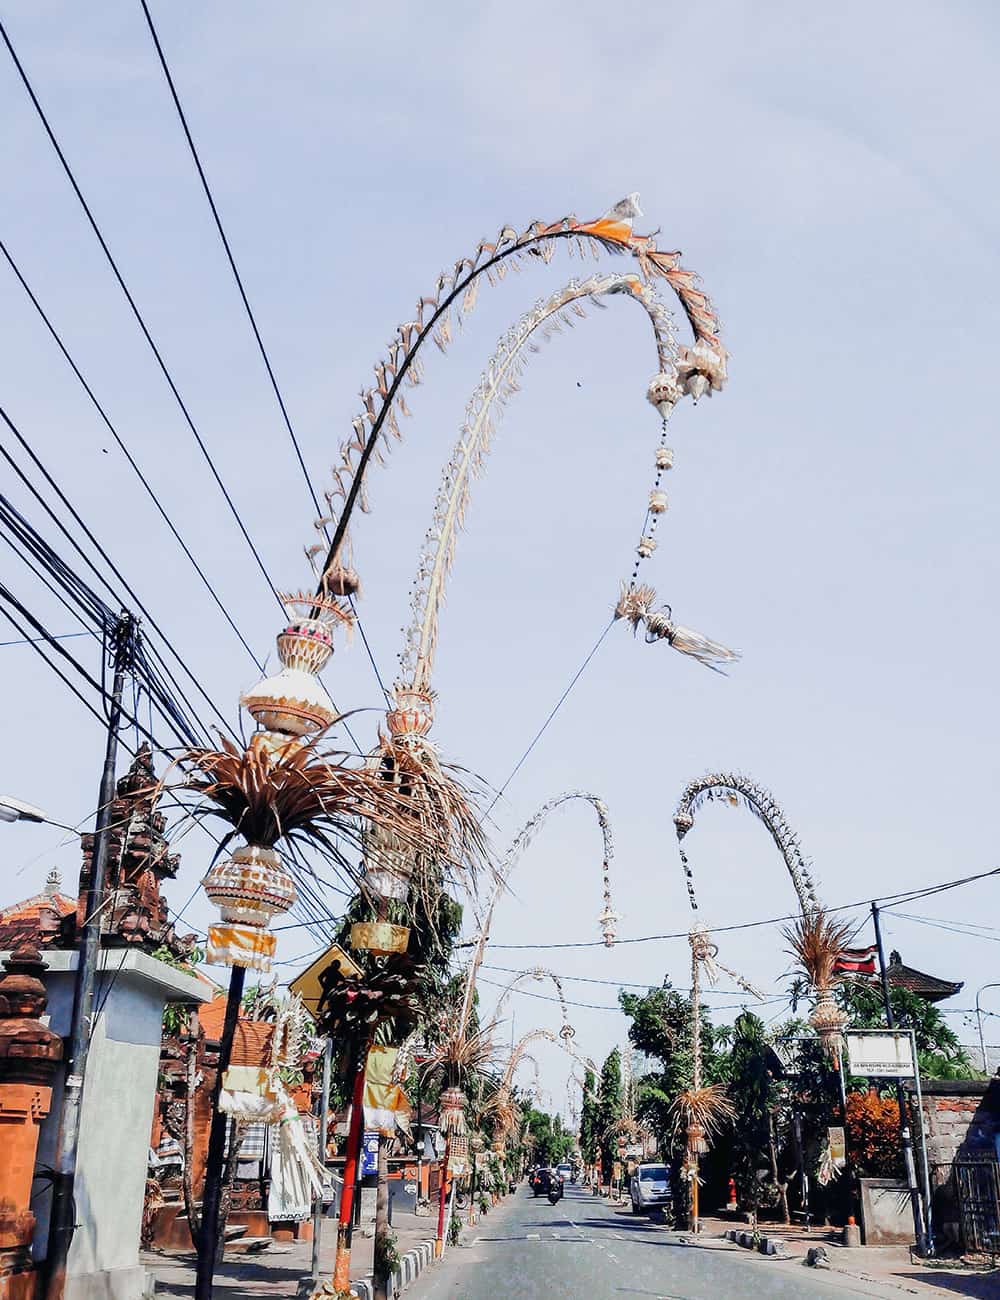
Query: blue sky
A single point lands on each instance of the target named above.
(826, 170)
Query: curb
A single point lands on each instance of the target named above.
(411, 1265)
(773, 1246)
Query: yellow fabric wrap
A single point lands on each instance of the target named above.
(240, 945)
(385, 1103)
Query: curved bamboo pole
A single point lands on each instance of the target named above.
(498, 383)
(538, 973)
(736, 789)
(521, 841)
(456, 292)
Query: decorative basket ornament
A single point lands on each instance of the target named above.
(657, 501)
(413, 714)
(608, 921)
(664, 392)
(567, 1033)
(379, 937)
(249, 889)
(646, 547)
(294, 701)
(696, 1142)
(828, 1020)
(664, 458)
(451, 1112)
(702, 369)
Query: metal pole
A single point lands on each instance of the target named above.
(904, 1124)
(420, 1145)
(62, 1216)
(979, 1021)
(928, 1217)
(211, 1194)
(324, 1114)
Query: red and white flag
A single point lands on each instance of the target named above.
(857, 961)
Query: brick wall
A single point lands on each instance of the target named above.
(960, 1117)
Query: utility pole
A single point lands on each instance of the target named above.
(62, 1216)
(211, 1196)
(324, 1114)
(904, 1124)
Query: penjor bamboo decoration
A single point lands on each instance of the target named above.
(702, 365)
(608, 918)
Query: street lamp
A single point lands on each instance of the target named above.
(13, 810)
(979, 1022)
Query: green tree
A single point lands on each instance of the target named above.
(609, 1107)
(589, 1119)
(939, 1052)
(551, 1142)
(661, 1029)
(755, 1096)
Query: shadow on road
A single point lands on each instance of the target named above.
(982, 1286)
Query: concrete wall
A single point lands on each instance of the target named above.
(116, 1119)
(960, 1117)
(886, 1212)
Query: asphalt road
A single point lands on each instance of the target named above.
(583, 1247)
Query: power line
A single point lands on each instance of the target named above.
(251, 317)
(906, 897)
(125, 451)
(135, 309)
(956, 928)
(27, 640)
(552, 713)
(231, 259)
(98, 548)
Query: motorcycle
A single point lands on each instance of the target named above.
(555, 1192)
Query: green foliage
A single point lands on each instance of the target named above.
(552, 1144)
(609, 1107)
(754, 1094)
(661, 1028)
(454, 1229)
(175, 1014)
(386, 1255)
(939, 1052)
(588, 1118)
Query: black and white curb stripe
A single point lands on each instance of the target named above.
(766, 1245)
(411, 1265)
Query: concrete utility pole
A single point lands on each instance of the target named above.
(979, 1022)
(904, 1125)
(62, 1217)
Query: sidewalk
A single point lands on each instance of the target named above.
(278, 1270)
(890, 1266)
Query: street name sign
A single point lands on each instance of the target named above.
(881, 1053)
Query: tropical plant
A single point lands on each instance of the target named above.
(939, 1052)
(754, 1094)
(873, 1135)
(609, 1108)
(588, 1118)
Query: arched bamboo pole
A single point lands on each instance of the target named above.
(521, 841)
(736, 790)
(538, 973)
(703, 366)
(499, 381)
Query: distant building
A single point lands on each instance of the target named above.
(928, 987)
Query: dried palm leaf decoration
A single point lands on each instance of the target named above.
(454, 298)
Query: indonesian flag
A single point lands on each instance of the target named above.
(856, 961)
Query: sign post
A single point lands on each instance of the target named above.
(892, 1054)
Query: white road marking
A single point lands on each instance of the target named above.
(533, 1236)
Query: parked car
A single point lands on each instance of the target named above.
(650, 1188)
(565, 1172)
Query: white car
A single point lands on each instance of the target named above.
(650, 1188)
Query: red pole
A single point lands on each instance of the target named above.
(442, 1199)
(342, 1267)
